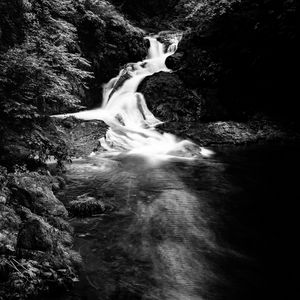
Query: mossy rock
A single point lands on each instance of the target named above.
(35, 234)
(85, 206)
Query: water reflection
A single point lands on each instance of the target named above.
(181, 230)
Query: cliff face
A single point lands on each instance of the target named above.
(240, 56)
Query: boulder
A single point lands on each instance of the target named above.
(174, 61)
(85, 206)
(82, 137)
(169, 99)
(34, 191)
(35, 234)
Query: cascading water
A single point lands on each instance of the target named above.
(132, 125)
(173, 231)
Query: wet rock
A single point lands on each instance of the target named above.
(169, 99)
(35, 234)
(86, 205)
(34, 191)
(147, 43)
(230, 132)
(61, 181)
(81, 137)
(173, 62)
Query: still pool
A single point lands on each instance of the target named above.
(213, 228)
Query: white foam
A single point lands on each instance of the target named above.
(132, 125)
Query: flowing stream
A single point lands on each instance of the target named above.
(131, 124)
(183, 226)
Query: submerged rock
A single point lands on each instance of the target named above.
(86, 206)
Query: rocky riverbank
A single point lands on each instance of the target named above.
(235, 133)
(36, 255)
(36, 239)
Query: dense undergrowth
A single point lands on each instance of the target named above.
(54, 57)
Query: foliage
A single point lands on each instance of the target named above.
(46, 69)
(11, 23)
(27, 268)
(41, 72)
(194, 12)
(3, 177)
(108, 40)
(28, 278)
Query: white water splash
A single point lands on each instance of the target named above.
(132, 125)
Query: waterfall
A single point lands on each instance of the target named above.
(124, 110)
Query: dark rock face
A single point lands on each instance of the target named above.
(81, 137)
(241, 54)
(58, 138)
(168, 99)
(173, 62)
